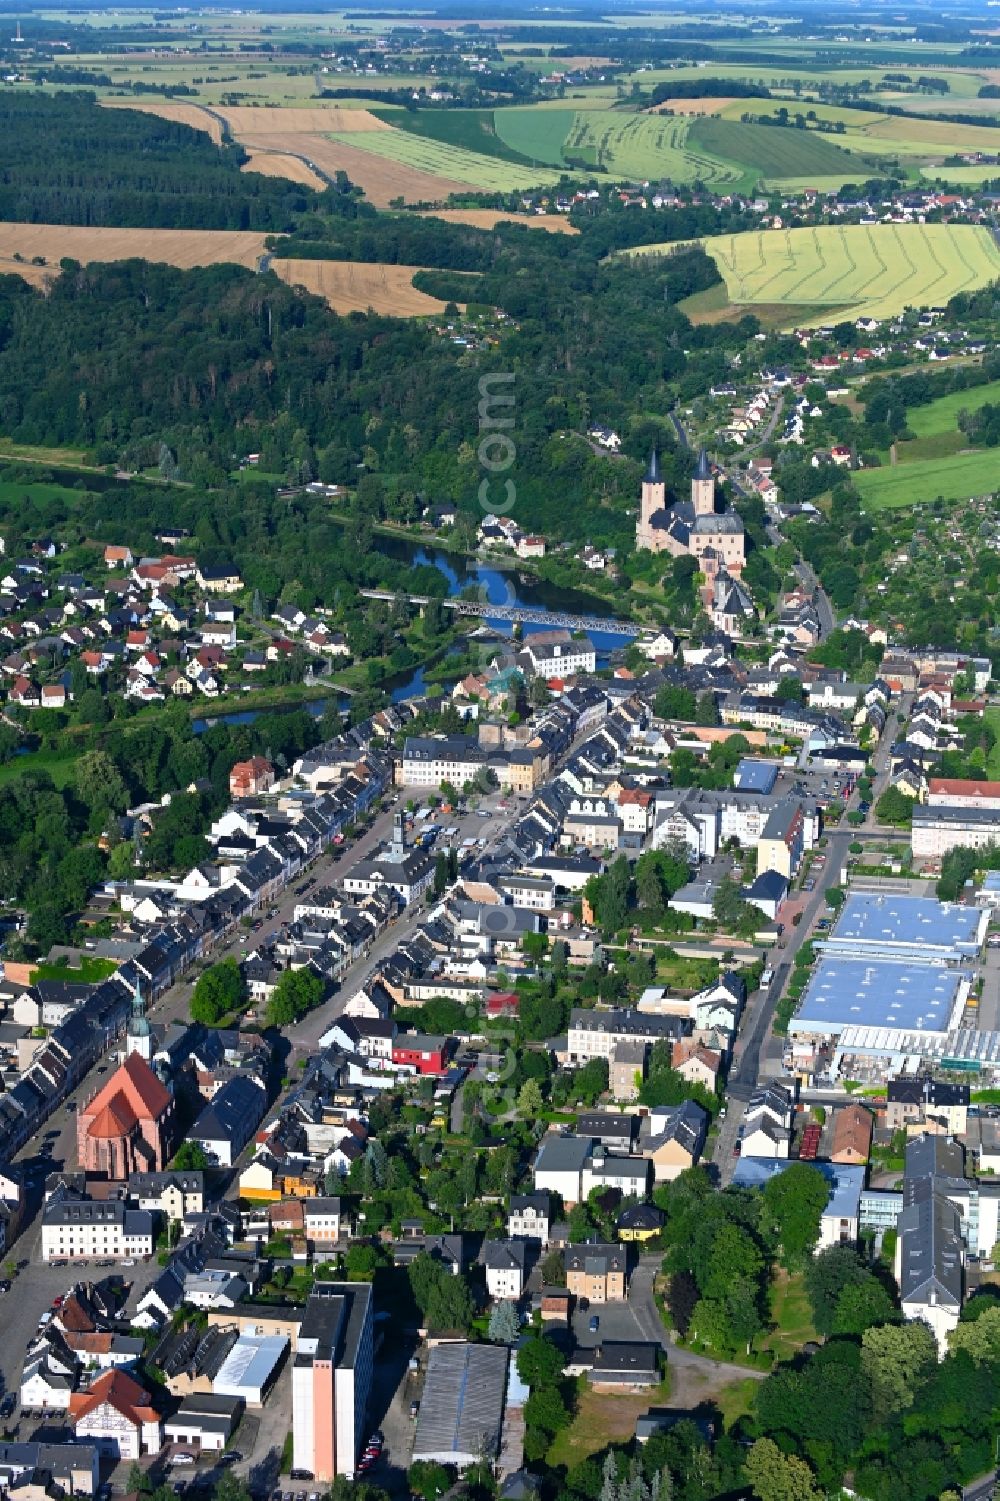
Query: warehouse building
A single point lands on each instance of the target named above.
(462, 1407)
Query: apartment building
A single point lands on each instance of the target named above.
(429, 760)
(557, 653)
(75, 1228)
(782, 841)
(597, 1272)
(331, 1379)
(596, 1034)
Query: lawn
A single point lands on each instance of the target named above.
(602, 1418)
(791, 1314)
(88, 971)
(959, 477)
(992, 717)
(869, 269)
(59, 766)
(941, 416)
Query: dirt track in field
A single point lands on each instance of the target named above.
(381, 179)
(182, 114)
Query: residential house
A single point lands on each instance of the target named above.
(597, 1271)
(505, 1262)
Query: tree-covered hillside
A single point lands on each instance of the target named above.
(64, 160)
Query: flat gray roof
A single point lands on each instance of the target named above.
(884, 921)
(886, 993)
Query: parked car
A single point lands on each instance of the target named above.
(594, 1323)
(183, 1458)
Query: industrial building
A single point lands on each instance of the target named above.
(332, 1378)
(461, 1410)
(251, 1368)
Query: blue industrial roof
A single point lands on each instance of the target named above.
(875, 992)
(845, 1181)
(755, 776)
(883, 921)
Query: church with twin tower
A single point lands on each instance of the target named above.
(716, 539)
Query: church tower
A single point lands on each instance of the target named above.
(703, 487)
(653, 499)
(139, 1036)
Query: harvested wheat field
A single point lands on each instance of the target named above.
(281, 164)
(177, 247)
(487, 218)
(247, 118)
(181, 114)
(692, 106)
(381, 178)
(351, 286)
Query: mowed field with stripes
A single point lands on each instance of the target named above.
(865, 270)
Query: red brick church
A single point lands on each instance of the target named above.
(129, 1125)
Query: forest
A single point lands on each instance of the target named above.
(132, 359)
(64, 160)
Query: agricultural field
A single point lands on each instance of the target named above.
(180, 114)
(871, 133)
(489, 218)
(382, 179)
(177, 247)
(452, 163)
(537, 134)
(469, 129)
(641, 147)
(955, 477)
(322, 120)
(281, 164)
(350, 286)
(772, 152)
(874, 270)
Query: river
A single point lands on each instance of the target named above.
(502, 587)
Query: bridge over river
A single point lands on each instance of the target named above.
(522, 614)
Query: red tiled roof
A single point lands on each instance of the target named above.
(119, 1391)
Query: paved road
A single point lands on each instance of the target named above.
(982, 1490)
(694, 1377)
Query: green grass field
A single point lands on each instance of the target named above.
(770, 151)
(452, 162)
(469, 129)
(537, 134)
(643, 147)
(876, 270)
(956, 477)
(941, 416)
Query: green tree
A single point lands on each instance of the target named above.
(539, 1362)
(190, 1157)
(505, 1322)
(297, 992)
(428, 1479)
(99, 783)
(896, 1359)
(862, 1305)
(450, 1308)
(779, 1477)
(979, 1338)
(794, 1201)
(546, 1410)
(220, 990)
(529, 1100)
